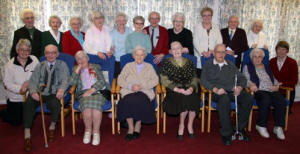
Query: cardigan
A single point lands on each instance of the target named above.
(259, 39)
(97, 41)
(147, 78)
(288, 74)
(212, 76)
(162, 46)
(253, 75)
(57, 77)
(47, 39)
(15, 75)
(137, 38)
(185, 37)
(204, 42)
(70, 45)
(36, 43)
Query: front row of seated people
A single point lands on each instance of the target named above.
(137, 81)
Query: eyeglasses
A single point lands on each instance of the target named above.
(178, 21)
(50, 53)
(24, 50)
(220, 52)
(139, 23)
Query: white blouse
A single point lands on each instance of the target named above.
(259, 39)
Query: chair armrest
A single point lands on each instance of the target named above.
(163, 89)
(286, 88)
(113, 86)
(158, 89)
(204, 90)
(72, 90)
(118, 88)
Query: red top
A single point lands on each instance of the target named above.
(162, 45)
(288, 74)
(70, 45)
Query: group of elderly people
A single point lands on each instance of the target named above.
(24, 73)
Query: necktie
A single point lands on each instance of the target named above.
(152, 37)
(231, 35)
(51, 66)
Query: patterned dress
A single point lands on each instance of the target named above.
(87, 79)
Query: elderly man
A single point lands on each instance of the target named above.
(235, 39)
(54, 74)
(28, 32)
(159, 37)
(218, 75)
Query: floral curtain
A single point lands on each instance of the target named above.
(280, 17)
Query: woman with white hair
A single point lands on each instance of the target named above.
(97, 39)
(18, 70)
(181, 34)
(28, 32)
(53, 36)
(119, 35)
(266, 92)
(256, 38)
(89, 81)
(137, 80)
(72, 40)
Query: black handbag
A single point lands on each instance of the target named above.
(106, 93)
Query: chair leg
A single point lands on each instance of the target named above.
(202, 120)
(157, 122)
(119, 131)
(164, 123)
(286, 118)
(43, 122)
(250, 121)
(73, 121)
(62, 120)
(208, 120)
(113, 115)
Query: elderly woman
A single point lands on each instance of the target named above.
(53, 36)
(98, 40)
(28, 32)
(138, 37)
(178, 75)
(256, 38)
(181, 34)
(206, 37)
(137, 80)
(89, 82)
(285, 69)
(72, 40)
(16, 79)
(265, 87)
(119, 35)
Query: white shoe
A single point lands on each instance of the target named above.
(87, 137)
(279, 133)
(262, 131)
(96, 139)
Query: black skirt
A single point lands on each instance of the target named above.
(175, 103)
(137, 106)
(13, 113)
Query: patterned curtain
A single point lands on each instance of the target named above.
(280, 17)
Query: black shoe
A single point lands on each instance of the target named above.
(136, 135)
(129, 137)
(180, 137)
(191, 136)
(226, 140)
(245, 136)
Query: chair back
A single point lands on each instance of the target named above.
(68, 59)
(128, 58)
(247, 58)
(227, 57)
(188, 56)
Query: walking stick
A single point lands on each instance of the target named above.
(43, 120)
(237, 133)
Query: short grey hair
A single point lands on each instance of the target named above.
(121, 14)
(178, 14)
(138, 18)
(257, 50)
(153, 12)
(96, 14)
(219, 45)
(54, 17)
(25, 42)
(25, 11)
(139, 47)
(75, 18)
(81, 53)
